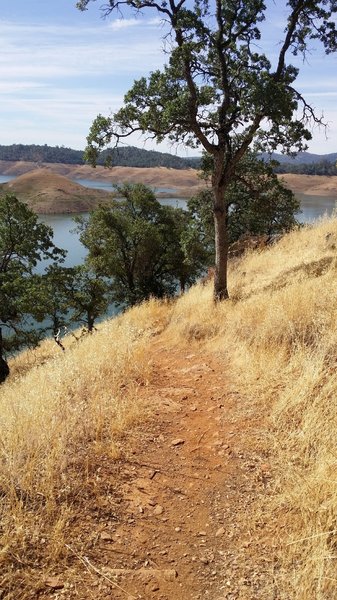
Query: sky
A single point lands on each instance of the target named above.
(60, 67)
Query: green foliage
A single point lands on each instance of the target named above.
(218, 88)
(41, 154)
(258, 202)
(139, 244)
(23, 243)
(51, 302)
(321, 167)
(67, 296)
(220, 91)
(89, 296)
(124, 156)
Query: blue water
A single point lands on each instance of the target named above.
(97, 185)
(64, 237)
(106, 185)
(5, 178)
(312, 207)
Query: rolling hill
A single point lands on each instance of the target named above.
(46, 192)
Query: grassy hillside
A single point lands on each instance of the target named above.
(62, 415)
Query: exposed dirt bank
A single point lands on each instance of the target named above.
(184, 182)
(47, 194)
(313, 185)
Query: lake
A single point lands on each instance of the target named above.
(312, 207)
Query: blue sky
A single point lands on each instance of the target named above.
(59, 68)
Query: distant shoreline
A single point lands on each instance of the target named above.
(184, 183)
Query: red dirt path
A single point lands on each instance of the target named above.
(176, 518)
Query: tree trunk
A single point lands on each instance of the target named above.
(221, 245)
(90, 322)
(4, 368)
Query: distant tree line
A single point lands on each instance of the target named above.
(322, 167)
(131, 156)
(119, 157)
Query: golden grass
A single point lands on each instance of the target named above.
(279, 335)
(58, 420)
(60, 415)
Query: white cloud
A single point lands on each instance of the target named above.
(51, 56)
(11, 87)
(55, 79)
(119, 24)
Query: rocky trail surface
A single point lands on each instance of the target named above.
(177, 516)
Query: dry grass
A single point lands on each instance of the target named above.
(61, 415)
(280, 334)
(59, 420)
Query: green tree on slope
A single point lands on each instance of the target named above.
(219, 90)
(140, 245)
(258, 203)
(23, 243)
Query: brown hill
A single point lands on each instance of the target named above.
(184, 182)
(47, 192)
(312, 185)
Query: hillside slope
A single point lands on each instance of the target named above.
(46, 192)
(184, 450)
(181, 183)
(312, 185)
(121, 156)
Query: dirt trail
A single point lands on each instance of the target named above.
(176, 519)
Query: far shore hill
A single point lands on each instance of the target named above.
(50, 188)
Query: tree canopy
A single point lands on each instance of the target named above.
(219, 90)
(258, 202)
(23, 243)
(124, 156)
(140, 245)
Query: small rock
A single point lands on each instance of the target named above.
(220, 532)
(155, 587)
(54, 583)
(158, 510)
(202, 533)
(177, 442)
(177, 529)
(204, 560)
(106, 536)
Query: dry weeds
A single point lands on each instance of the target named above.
(59, 418)
(279, 333)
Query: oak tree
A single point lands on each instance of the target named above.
(258, 202)
(23, 243)
(139, 245)
(219, 90)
